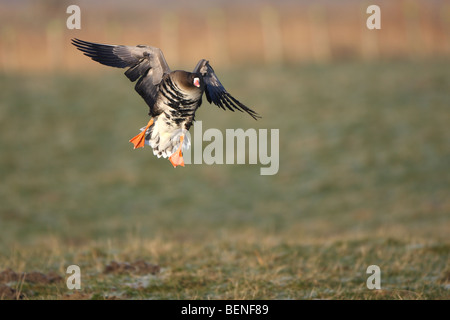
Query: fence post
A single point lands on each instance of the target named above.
(445, 17)
(414, 33)
(218, 39)
(8, 52)
(271, 32)
(55, 44)
(169, 36)
(370, 48)
(319, 33)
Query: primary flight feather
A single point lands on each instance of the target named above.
(172, 96)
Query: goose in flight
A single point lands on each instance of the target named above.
(172, 96)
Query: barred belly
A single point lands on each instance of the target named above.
(176, 110)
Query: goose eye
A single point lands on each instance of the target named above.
(197, 82)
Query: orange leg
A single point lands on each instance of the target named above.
(139, 140)
(177, 157)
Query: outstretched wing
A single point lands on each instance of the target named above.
(216, 93)
(143, 62)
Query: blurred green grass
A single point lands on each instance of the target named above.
(364, 159)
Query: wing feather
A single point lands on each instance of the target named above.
(143, 62)
(216, 93)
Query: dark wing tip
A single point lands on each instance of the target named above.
(102, 53)
(217, 94)
(221, 98)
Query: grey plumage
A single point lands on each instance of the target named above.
(144, 62)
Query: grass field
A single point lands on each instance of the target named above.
(363, 180)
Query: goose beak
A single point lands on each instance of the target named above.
(197, 82)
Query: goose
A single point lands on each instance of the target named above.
(173, 97)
